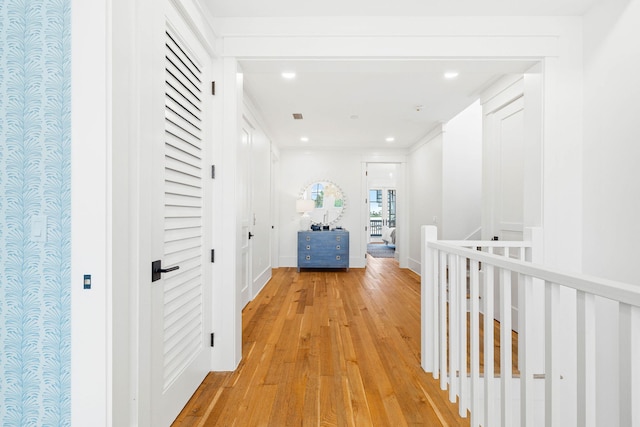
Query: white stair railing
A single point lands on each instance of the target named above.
(453, 292)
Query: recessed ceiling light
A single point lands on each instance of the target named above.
(289, 75)
(390, 139)
(451, 75)
(304, 139)
(297, 116)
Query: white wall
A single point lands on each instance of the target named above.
(424, 190)
(298, 168)
(611, 149)
(462, 174)
(611, 183)
(382, 175)
(91, 363)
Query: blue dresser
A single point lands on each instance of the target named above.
(323, 249)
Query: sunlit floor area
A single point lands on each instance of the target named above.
(328, 348)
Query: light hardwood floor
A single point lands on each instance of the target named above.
(328, 348)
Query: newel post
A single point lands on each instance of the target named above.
(427, 274)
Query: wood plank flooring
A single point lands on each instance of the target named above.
(328, 348)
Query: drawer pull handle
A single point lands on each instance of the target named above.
(338, 257)
(338, 247)
(308, 257)
(308, 238)
(308, 247)
(338, 238)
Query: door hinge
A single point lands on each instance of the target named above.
(365, 228)
(213, 255)
(213, 88)
(213, 171)
(366, 201)
(366, 173)
(212, 337)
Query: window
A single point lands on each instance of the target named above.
(317, 194)
(391, 207)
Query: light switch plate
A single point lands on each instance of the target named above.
(39, 228)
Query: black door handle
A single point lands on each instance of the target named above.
(250, 235)
(157, 270)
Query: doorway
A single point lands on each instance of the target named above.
(382, 209)
(382, 213)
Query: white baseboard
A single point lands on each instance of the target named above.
(359, 262)
(415, 266)
(289, 261)
(261, 281)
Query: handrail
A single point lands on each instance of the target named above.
(460, 283)
(616, 291)
(488, 243)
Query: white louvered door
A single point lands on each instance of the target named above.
(181, 301)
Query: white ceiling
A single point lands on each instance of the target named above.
(382, 94)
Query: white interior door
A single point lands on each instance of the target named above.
(508, 124)
(509, 209)
(181, 299)
(244, 190)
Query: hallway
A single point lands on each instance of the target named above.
(328, 348)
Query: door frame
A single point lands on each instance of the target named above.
(402, 216)
(496, 146)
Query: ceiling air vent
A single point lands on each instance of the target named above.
(297, 116)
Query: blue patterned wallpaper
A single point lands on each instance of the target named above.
(35, 301)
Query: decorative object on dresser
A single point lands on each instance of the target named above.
(323, 249)
(304, 206)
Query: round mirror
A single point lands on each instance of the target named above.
(329, 202)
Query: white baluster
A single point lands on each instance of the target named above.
(436, 314)
(489, 389)
(629, 369)
(427, 283)
(526, 349)
(443, 321)
(475, 343)
(453, 327)
(536, 304)
(552, 356)
(506, 366)
(462, 350)
(586, 364)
